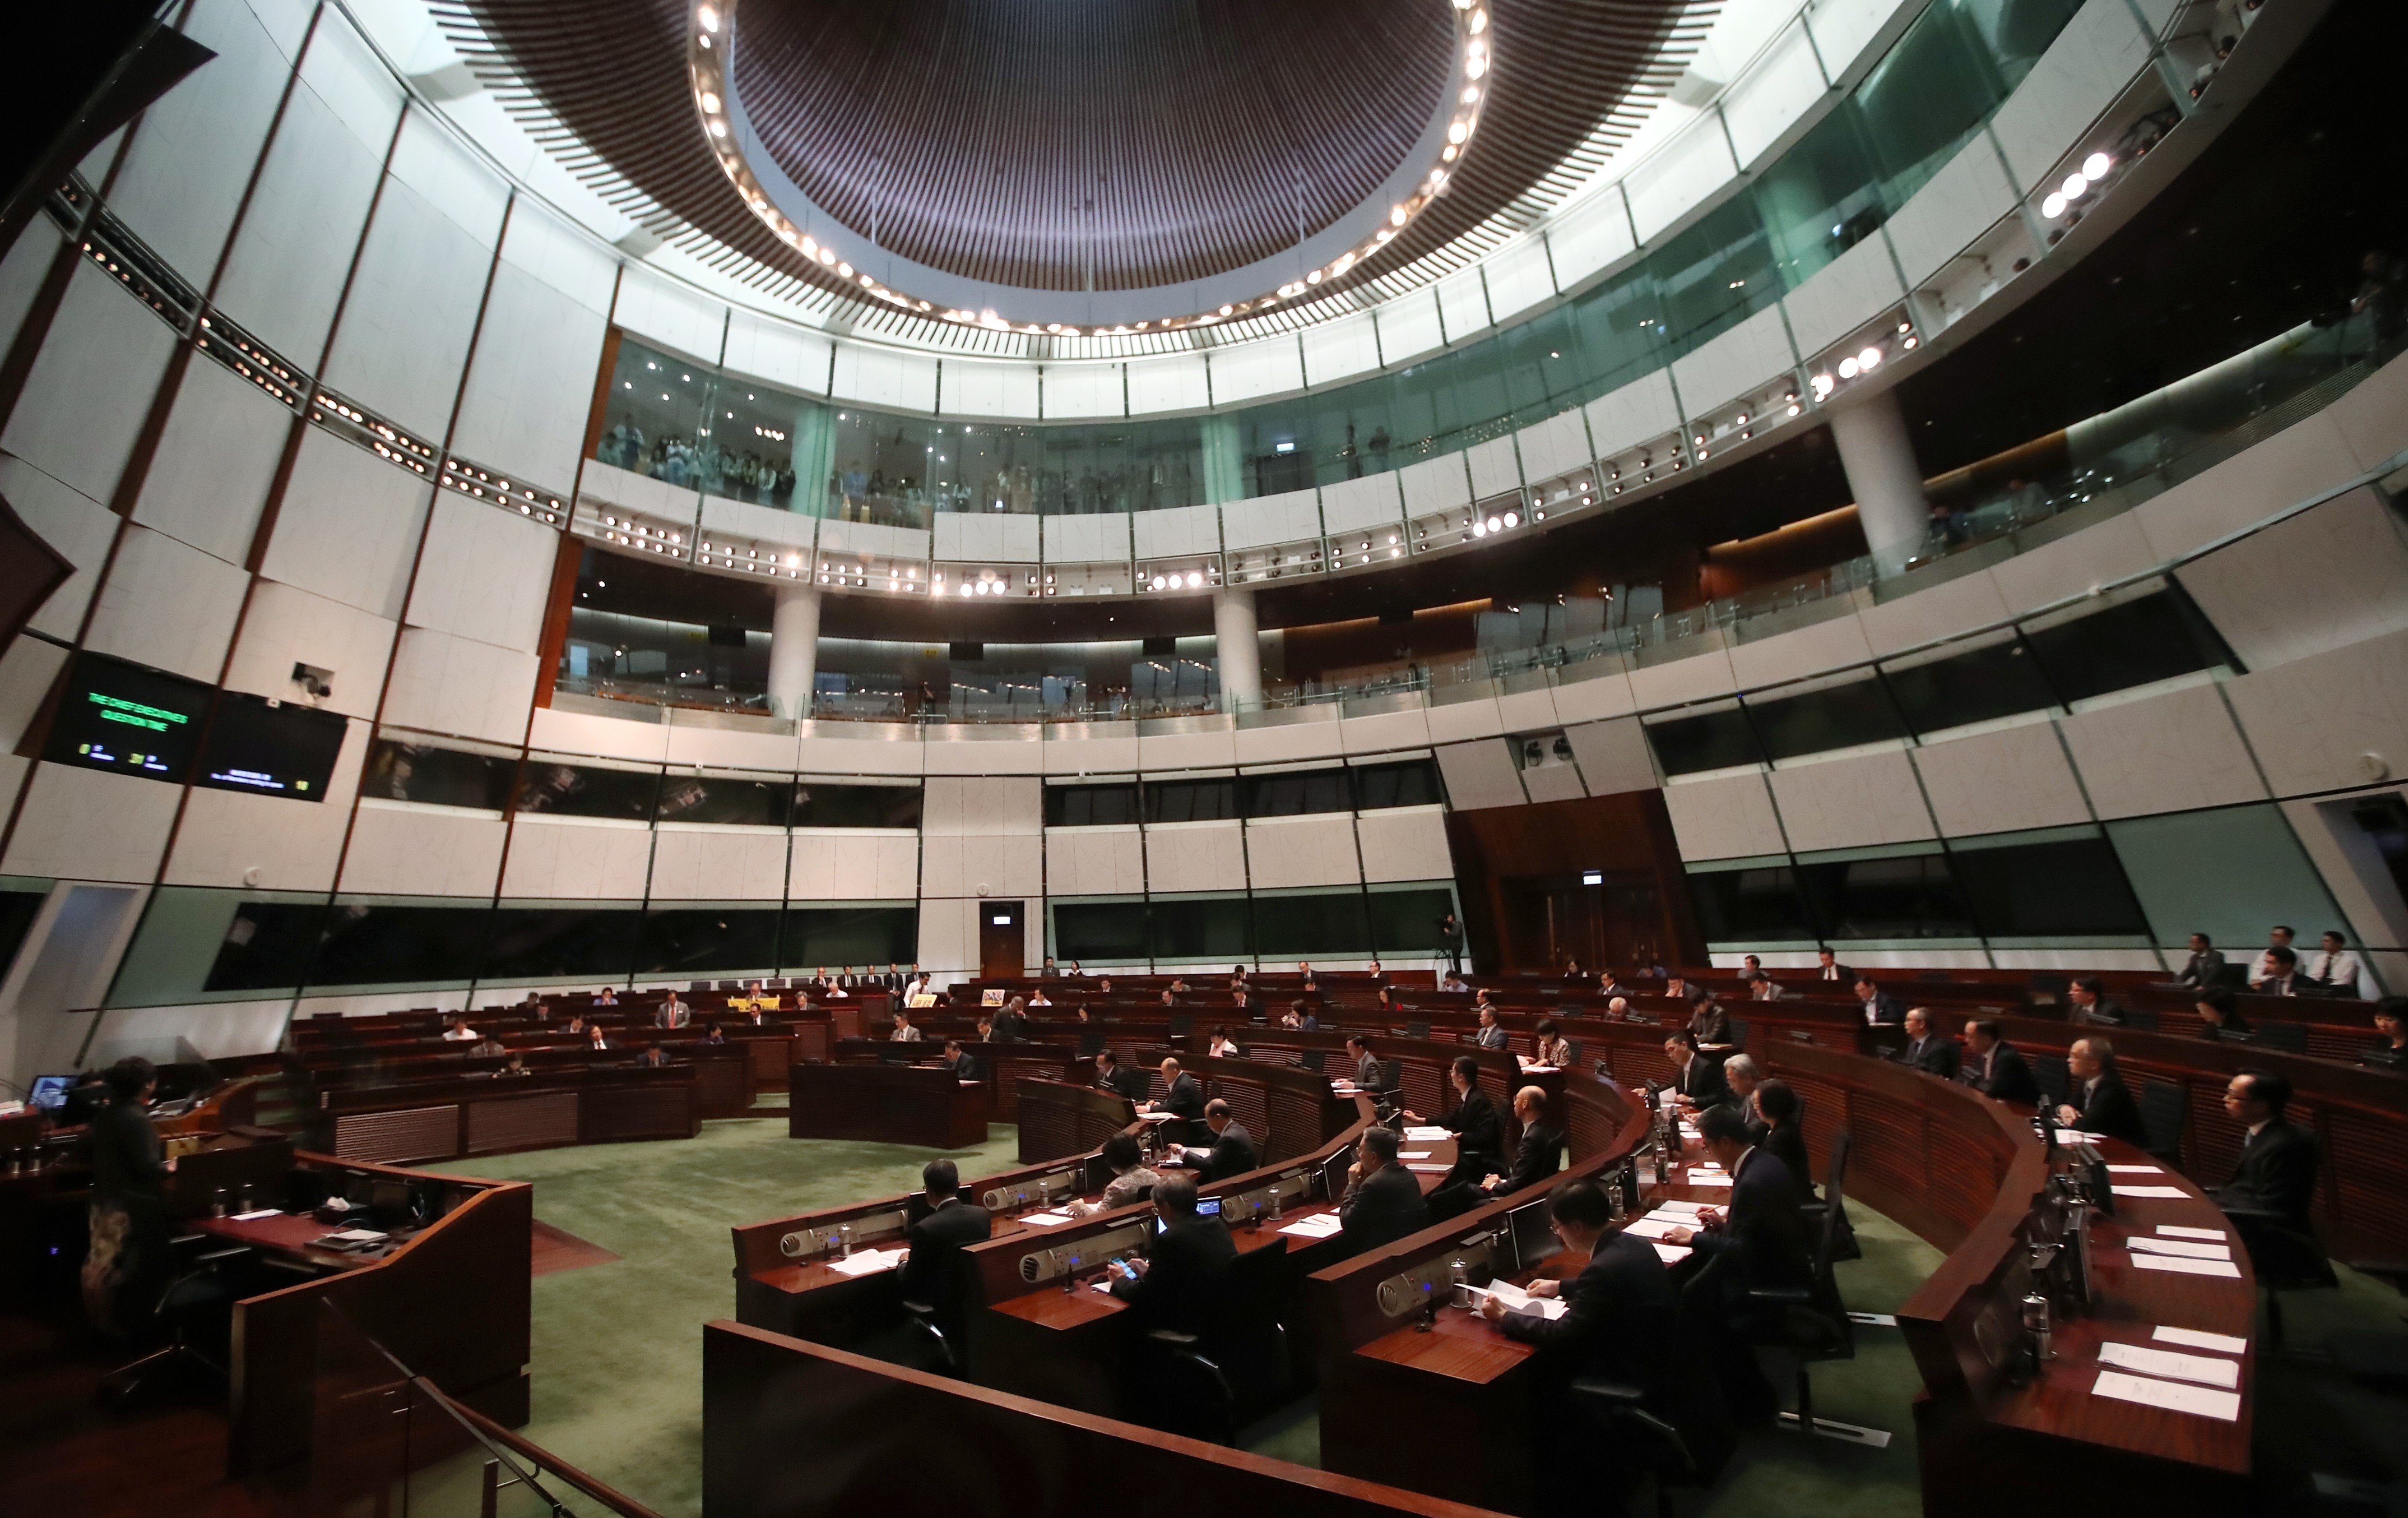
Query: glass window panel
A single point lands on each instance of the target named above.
(18, 909)
(709, 939)
(2230, 873)
(1836, 716)
(1297, 794)
(1413, 783)
(433, 777)
(1089, 806)
(1107, 932)
(2154, 637)
(818, 806)
(655, 421)
(1926, 96)
(1715, 274)
(369, 944)
(1406, 921)
(835, 936)
(1716, 741)
(1757, 905)
(588, 790)
(1912, 897)
(2015, 32)
(1218, 929)
(1191, 800)
(1977, 687)
(1819, 199)
(199, 943)
(1311, 927)
(595, 942)
(1622, 332)
(729, 800)
(898, 470)
(2063, 887)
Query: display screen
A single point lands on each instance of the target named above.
(271, 746)
(128, 719)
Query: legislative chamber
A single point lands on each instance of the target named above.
(1419, 758)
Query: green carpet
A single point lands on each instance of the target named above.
(618, 1350)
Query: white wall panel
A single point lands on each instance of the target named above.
(780, 352)
(1207, 746)
(832, 750)
(348, 528)
(988, 865)
(855, 866)
(1558, 445)
(530, 383)
(1592, 695)
(1178, 529)
(873, 539)
(2298, 463)
(1954, 606)
(985, 539)
(1494, 468)
(1405, 843)
(215, 461)
(1094, 861)
(1282, 852)
(1679, 176)
(23, 269)
(1693, 677)
(1553, 783)
(431, 161)
(1480, 774)
(1519, 277)
(1313, 736)
(1175, 382)
(79, 824)
(1084, 390)
(1843, 295)
(1843, 29)
(1263, 520)
(1785, 83)
(407, 322)
(2167, 753)
(193, 149)
(985, 804)
(1195, 856)
(553, 731)
(985, 750)
(1727, 817)
(1249, 370)
(1383, 730)
(1463, 305)
(659, 310)
(484, 573)
(91, 386)
(423, 851)
(1409, 327)
(1099, 537)
(168, 606)
(443, 684)
(566, 258)
(1613, 756)
(286, 626)
(729, 749)
(971, 389)
(1638, 410)
(1835, 642)
(706, 864)
(1459, 721)
(2324, 579)
(2313, 723)
(1341, 349)
(2080, 75)
(27, 667)
(1371, 502)
(79, 528)
(1434, 485)
(1090, 747)
(1732, 363)
(268, 843)
(2001, 782)
(1589, 237)
(1959, 203)
(574, 860)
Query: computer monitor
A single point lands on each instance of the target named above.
(1206, 1206)
(1533, 1240)
(1333, 1174)
(49, 1092)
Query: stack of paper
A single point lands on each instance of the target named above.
(2190, 1249)
(1046, 1220)
(1670, 1253)
(1517, 1300)
(2168, 1192)
(2206, 1369)
(2136, 1169)
(1691, 1209)
(254, 1217)
(2176, 1396)
(1655, 1226)
(1429, 1169)
(1699, 1177)
(2175, 1231)
(1320, 1225)
(1427, 1133)
(2187, 1267)
(868, 1261)
(1413, 1154)
(2196, 1339)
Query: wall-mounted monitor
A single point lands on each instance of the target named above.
(128, 719)
(272, 747)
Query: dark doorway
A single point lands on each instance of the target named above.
(1003, 939)
(1598, 918)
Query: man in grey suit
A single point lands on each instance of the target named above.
(1383, 1200)
(1492, 1032)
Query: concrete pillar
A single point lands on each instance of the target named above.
(1879, 458)
(1237, 640)
(793, 649)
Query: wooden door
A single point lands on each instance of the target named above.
(1003, 939)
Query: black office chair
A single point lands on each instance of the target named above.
(197, 1309)
(2285, 1257)
(2049, 1071)
(2162, 1111)
(1739, 1033)
(1810, 1322)
(1417, 1030)
(1392, 1076)
(1578, 1048)
(1835, 1185)
(1680, 1437)
(930, 1340)
(2139, 1019)
(1315, 1060)
(1604, 1070)
(2290, 1037)
(1182, 1026)
(1090, 1044)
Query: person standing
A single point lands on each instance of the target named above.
(125, 1269)
(1450, 943)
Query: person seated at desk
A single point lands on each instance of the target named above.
(458, 1032)
(1111, 1076)
(1479, 1134)
(1048, 970)
(1177, 1285)
(2204, 969)
(1183, 1099)
(2086, 1003)
(1011, 1024)
(905, 1033)
(1223, 1046)
(711, 1035)
(1243, 1001)
(1038, 998)
(958, 1062)
(1828, 967)
(1740, 1079)
(1676, 989)
(1233, 1151)
(2390, 1050)
(1379, 977)
(2276, 1172)
(1708, 1021)
(1492, 1034)
(2219, 1016)
(596, 1040)
(1762, 988)
(1552, 1049)
(986, 1029)
(1299, 1017)
(1617, 1006)
(576, 1024)
(1368, 1073)
(1994, 1068)
(1696, 1082)
(1541, 1151)
(541, 1011)
(2102, 1103)
(514, 1067)
(1179, 986)
(1779, 1127)
(1304, 971)
(606, 997)
(928, 1277)
(2285, 979)
(1763, 1236)
(1572, 970)
(652, 1058)
(1878, 1006)
(673, 1014)
(1076, 970)
(1133, 1180)
(1925, 1049)
(1388, 1001)
(1103, 985)
(1455, 982)
(487, 1049)
(1168, 999)
(1618, 1326)
(1384, 1201)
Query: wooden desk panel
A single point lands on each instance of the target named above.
(885, 1104)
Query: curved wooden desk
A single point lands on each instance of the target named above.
(886, 1104)
(455, 1118)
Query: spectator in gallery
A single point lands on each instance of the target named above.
(2204, 969)
(458, 1032)
(2335, 967)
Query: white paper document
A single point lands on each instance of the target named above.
(1517, 1300)
(2137, 1169)
(868, 1261)
(1413, 1154)
(2176, 1231)
(1652, 1226)
(1670, 1253)
(2149, 1190)
(254, 1217)
(2187, 1267)
(1429, 1169)
(2205, 1369)
(1046, 1220)
(1426, 1134)
(1320, 1225)
(1691, 1209)
(2188, 1248)
(2195, 1338)
(1695, 1177)
(2201, 1400)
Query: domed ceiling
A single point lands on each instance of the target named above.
(1078, 164)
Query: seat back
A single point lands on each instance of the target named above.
(2161, 1118)
(1091, 1044)
(1313, 1060)
(2049, 1072)
(2290, 1037)
(1417, 1030)
(1579, 1047)
(1392, 1075)
(1248, 1342)
(2141, 1018)
(1181, 1026)
(1739, 1033)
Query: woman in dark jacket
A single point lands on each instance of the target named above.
(124, 1270)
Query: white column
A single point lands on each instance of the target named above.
(1879, 459)
(1237, 642)
(793, 649)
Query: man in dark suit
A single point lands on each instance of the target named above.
(1994, 1068)
(1927, 1050)
(2100, 1104)
(1479, 1136)
(1763, 1239)
(930, 1276)
(1177, 1285)
(1233, 1151)
(1183, 1099)
(2087, 1003)
(1540, 1153)
(1695, 1079)
(1383, 1200)
(2276, 1172)
(1878, 1006)
(2205, 970)
(1111, 1076)
(959, 1062)
(1828, 967)
(2283, 977)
